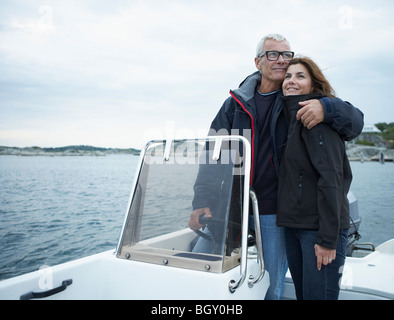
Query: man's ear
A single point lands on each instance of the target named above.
(257, 63)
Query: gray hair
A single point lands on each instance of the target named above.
(272, 36)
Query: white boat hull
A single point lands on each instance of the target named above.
(103, 277)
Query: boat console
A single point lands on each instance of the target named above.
(177, 177)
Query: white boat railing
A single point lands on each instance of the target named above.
(255, 279)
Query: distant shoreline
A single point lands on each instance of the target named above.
(354, 152)
(65, 151)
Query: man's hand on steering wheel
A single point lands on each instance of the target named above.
(194, 223)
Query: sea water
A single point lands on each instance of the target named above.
(57, 209)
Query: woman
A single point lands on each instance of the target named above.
(314, 180)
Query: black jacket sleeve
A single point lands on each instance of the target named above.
(343, 117)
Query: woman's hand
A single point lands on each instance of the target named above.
(324, 255)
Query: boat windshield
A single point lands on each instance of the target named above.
(175, 179)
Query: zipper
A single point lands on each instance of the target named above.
(252, 121)
(322, 146)
(321, 140)
(300, 184)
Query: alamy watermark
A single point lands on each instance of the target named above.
(203, 150)
(45, 21)
(45, 282)
(345, 21)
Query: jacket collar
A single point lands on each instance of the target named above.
(247, 87)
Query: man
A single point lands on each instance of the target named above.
(255, 111)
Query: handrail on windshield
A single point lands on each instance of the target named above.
(235, 284)
(255, 279)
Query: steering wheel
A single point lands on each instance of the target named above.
(204, 221)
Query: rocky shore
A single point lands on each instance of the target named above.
(357, 150)
(65, 151)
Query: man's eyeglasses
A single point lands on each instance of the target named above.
(274, 55)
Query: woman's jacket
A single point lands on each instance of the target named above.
(314, 178)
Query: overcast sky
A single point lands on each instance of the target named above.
(118, 73)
